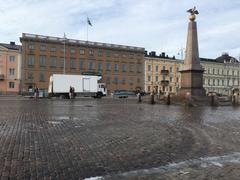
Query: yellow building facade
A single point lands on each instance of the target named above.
(162, 74)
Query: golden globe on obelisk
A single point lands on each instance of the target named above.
(192, 71)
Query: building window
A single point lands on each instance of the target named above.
(131, 67)
(131, 81)
(108, 53)
(124, 68)
(213, 71)
(100, 53)
(31, 46)
(42, 60)
(31, 60)
(131, 56)
(62, 62)
(99, 66)
(91, 52)
(81, 64)
(139, 68)
(30, 76)
(108, 80)
(42, 77)
(149, 78)
(116, 67)
(11, 85)
(149, 67)
(82, 51)
(115, 80)
(177, 69)
(170, 69)
(156, 68)
(116, 55)
(42, 48)
(164, 67)
(72, 51)
(11, 58)
(90, 66)
(170, 79)
(123, 80)
(53, 49)
(53, 61)
(156, 78)
(170, 88)
(138, 80)
(11, 71)
(72, 63)
(108, 66)
(177, 79)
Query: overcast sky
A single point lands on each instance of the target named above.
(156, 25)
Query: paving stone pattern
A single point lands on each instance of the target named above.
(64, 139)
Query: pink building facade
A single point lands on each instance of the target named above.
(10, 68)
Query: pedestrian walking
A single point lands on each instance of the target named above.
(36, 93)
(70, 92)
(73, 92)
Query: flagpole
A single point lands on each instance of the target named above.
(64, 51)
(87, 29)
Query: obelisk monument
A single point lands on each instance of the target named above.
(192, 71)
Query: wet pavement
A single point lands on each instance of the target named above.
(117, 139)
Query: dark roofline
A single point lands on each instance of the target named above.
(52, 39)
(154, 55)
(12, 47)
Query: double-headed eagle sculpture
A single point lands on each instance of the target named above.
(193, 13)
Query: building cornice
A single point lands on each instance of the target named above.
(74, 42)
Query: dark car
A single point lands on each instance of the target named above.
(123, 93)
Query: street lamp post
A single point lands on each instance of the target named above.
(152, 93)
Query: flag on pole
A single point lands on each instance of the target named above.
(89, 22)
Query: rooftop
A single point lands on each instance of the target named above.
(80, 42)
(11, 46)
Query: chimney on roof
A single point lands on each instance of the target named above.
(12, 43)
(163, 54)
(152, 53)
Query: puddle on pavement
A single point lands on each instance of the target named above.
(205, 162)
(63, 118)
(54, 122)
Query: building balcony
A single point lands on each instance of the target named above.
(164, 82)
(1, 77)
(164, 72)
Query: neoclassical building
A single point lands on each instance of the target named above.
(161, 73)
(221, 75)
(10, 68)
(121, 67)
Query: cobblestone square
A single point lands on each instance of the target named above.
(117, 139)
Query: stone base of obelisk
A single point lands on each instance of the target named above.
(192, 83)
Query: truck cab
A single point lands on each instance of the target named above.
(102, 89)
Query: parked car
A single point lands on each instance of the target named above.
(123, 93)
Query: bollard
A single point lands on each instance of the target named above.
(168, 99)
(152, 99)
(212, 100)
(139, 97)
(234, 100)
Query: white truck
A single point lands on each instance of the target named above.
(84, 85)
